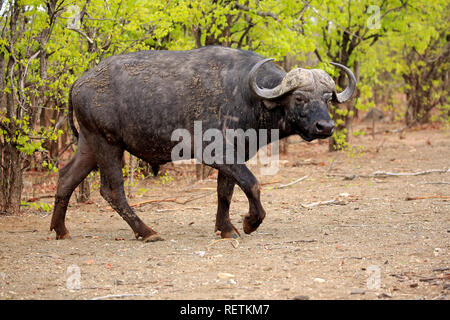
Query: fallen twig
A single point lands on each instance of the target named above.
(438, 182)
(429, 279)
(306, 162)
(174, 200)
(234, 242)
(195, 198)
(395, 174)
(290, 184)
(399, 130)
(22, 231)
(427, 197)
(45, 196)
(291, 241)
(322, 203)
(126, 295)
(270, 182)
(270, 246)
(139, 204)
(385, 174)
(441, 269)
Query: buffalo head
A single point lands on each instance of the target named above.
(304, 94)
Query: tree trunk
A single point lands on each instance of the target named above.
(284, 146)
(84, 191)
(11, 180)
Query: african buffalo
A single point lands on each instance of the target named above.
(135, 101)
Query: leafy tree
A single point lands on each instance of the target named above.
(46, 45)
(345, 31)
(420, 55)
(26, 28)
(40, 58)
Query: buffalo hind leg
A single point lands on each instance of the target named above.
(249, 184)
(225, 187)
(69, 178)
(109, 160)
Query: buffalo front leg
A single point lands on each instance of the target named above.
(69, 178)
(249, 184)
(225, 187)
(109, 159)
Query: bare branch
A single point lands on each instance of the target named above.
(259, 13)
(82, 34)
(24, 74)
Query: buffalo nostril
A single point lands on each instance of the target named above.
(319, 127)
(324, 127)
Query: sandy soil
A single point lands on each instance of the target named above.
(371, 243)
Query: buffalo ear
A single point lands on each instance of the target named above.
(334, 97)
(270, 104)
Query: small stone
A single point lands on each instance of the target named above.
(358, 291)
(224, 275)
(200, 253)
(319, 280)
(118, 282)
(413, 285)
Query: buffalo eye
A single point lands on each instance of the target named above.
(300, 99)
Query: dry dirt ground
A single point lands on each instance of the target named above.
(370, 243)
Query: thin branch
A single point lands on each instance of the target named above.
(263, 14)
(329, 20)
(82, 34)
(24, 74)
(5, 128)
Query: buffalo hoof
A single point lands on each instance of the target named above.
(230, 234)
(63, 236)
(250, 224)
(227, 231)
(153, 238)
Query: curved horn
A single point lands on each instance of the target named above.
(263, 92)
(350, 90)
